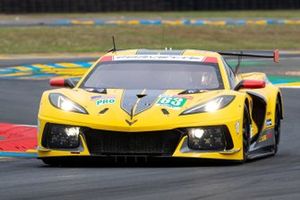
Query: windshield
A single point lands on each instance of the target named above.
(154, 75)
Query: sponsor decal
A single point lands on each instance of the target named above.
(103, 100)
(237, 127)
(269, 135)
(160, 57)
(174, 102)
(265, 137)
(269, 122)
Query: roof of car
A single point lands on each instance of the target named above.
(170, 52)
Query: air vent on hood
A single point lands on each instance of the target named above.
(103, 111)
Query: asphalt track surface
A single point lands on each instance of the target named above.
(269, 178)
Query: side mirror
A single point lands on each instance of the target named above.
(250, 84)
(62, 82)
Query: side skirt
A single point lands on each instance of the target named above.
(264, 145)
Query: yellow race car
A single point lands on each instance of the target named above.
(161, 103)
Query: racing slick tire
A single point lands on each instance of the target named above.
(277, 127)
(52, 161)
(246, 134)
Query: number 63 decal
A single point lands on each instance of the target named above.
(173, 102)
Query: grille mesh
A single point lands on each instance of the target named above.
(159, 143)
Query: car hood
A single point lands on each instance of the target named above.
(132, 110)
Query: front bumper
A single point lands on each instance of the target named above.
(165, 143)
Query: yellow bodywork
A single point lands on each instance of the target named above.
(153, 119)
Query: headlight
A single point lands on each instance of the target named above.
(61, 137)
(210, 106)
(64, 103)
(216, 138)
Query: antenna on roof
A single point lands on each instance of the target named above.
(237, 67)
(114, 45)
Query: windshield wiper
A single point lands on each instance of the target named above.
(97, 90)
(192, 91)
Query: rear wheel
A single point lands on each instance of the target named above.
(246, 134)
(277, 127)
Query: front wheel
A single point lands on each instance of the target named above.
(51, 161)
(246, 134)
(277, 127)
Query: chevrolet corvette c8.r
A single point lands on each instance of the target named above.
(161, 103)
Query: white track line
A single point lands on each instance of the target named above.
(294, 87)
(26, 125)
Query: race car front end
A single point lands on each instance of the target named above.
(158, 132)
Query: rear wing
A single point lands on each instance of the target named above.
(241, 54)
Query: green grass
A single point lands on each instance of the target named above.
(158, 15)
(98, 38)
